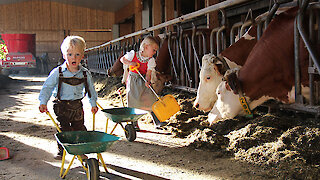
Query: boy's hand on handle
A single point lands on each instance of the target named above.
(43, 108)
(94, 110)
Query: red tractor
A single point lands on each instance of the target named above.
(21, 53)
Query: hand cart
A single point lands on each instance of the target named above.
(126, 115)
(78, 143)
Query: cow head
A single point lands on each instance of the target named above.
(228, 105)
(210, 78)
(158, 80)
(116, 69)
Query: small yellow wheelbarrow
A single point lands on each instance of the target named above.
(78, 143)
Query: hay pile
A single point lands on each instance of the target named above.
(288, 145)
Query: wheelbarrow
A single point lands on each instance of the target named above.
(126, 115)
(78, 143)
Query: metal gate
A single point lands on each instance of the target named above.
(187, 46)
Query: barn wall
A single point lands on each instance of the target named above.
(51, 21)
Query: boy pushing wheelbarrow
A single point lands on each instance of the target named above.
(69, 83)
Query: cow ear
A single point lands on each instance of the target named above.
(212, 59)
(218, 68)
(228, 87)
(233, 82)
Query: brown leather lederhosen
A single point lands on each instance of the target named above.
(73, 81)
(70, 112)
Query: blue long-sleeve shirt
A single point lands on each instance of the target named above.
(67, 92)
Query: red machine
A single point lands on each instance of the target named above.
(21, 52)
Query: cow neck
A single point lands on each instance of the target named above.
(239, 51)
(268, 70)
(234, 83)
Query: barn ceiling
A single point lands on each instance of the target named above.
(106, 5)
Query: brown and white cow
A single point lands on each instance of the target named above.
(213, 68)
(159, 76)
(268, 72)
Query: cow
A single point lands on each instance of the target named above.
(268, 72)
(213, 68)
(159, 76)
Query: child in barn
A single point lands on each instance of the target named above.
(138, 93)
(69, 83)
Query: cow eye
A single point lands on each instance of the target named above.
(208, 77)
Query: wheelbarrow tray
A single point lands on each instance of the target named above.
(124, 114)
(85, 142)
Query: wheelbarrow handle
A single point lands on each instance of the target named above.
(120, 94)
(54, 122)
(93, 121)
(56, 125)
(99, 106)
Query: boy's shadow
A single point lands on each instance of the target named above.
(117, 172)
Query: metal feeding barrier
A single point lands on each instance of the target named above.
(187, 43)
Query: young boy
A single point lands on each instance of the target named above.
(138, 93)
(69, 83)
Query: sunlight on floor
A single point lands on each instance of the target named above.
(36, 142)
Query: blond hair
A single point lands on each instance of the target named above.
(147, 41)
(73, 42)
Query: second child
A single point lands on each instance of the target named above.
(138, 93)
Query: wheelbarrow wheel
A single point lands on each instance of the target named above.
(93, 168)
(131, 133)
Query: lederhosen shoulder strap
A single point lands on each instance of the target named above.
(86, 87)
(60, 82)
(73, 81)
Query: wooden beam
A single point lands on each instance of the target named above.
(125, 12)
(178, 2)
(138, 15)
(212, 17)
(156, 9)
(169, 12)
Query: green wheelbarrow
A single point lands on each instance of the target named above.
(124, 115)
(78, 143)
